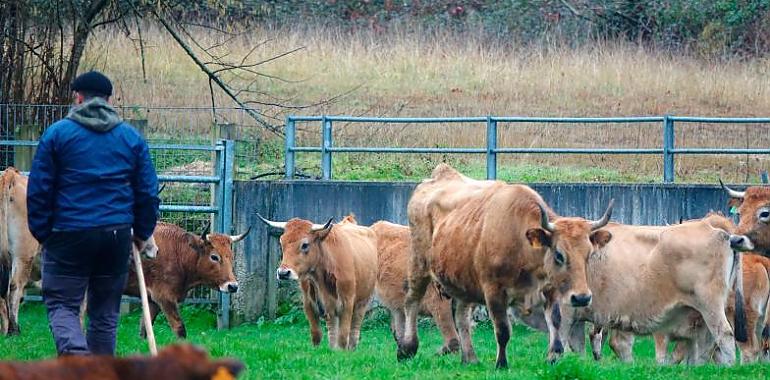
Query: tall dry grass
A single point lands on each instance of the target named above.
(406, 74)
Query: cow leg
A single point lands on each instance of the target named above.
(441, 310)
(154, 310)
(577, 337)
(766, 342)
(332, 327)
(355, 326)
(418, 284)
(309, 305)
(463, 319)
(720, 329)
(20, 273)
(622, 344)
(750, 348)
(345, 322)
(661, 348)
(397, 324)
(3, 316)
(552, 312)
(597, 341)
(498, 312)
(171, 311)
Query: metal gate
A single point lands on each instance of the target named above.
(199, 180)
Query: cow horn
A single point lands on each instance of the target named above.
(597, 224)
(318, 227)
(279, 225)
(544, 222)
(732, 193)
(206, 231)
(237, 238)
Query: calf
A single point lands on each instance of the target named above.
(336, 265)
(393, 247)
(658, 279)
(178, 362)
(488, 242)
(184, 261)
(18, 249)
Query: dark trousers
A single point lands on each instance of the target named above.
(76, 262)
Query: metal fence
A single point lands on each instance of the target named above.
(667, 151)
(159, 125)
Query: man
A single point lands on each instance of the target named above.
(92, 181)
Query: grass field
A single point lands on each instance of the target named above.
(282, 350)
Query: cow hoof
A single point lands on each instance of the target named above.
(466, 360)
(406, 350)
(14, 330)
(449, 348)
(182, 333)
(502, 365)
(597, 356)
(316, 339)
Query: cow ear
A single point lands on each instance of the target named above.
(600, 238)
(735, 202)
(538, 238)
(194, 242)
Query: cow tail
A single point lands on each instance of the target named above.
(741, 335)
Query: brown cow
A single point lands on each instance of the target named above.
(488, 242)
(660, 278)
(184, 261)
(393, 247)
(18, 249)
(178, 362)
(335, 264)
(753, 205)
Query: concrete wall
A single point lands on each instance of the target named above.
(258, 256)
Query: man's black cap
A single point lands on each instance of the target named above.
(94, 82)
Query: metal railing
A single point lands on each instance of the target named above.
(667, 152)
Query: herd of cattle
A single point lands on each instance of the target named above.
(703, 284)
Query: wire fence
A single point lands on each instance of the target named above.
(159, 125)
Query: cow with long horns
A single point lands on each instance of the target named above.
(335, 264)
(184, 261)
(491, 243)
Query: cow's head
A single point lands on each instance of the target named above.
(215, 259)
(753, 205)
(567, 243)
(301, 246)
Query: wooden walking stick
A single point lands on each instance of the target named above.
(145, 302)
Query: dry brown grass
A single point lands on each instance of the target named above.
(450, 75)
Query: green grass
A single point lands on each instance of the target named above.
(281, 350)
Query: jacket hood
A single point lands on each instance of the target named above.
(95, 114)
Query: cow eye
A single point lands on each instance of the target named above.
(559, 258)
(304, 247)
(764, 215)
(215, 258)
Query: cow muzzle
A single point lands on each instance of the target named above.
(580, 300)
(741, 243)
(283, 274)
(229, 287)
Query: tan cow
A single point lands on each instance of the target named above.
(393, 247)
(184, 260)
(18, 249)
(335, 264)
(491, 243)
(652, 279)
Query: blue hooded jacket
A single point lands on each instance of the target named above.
(92, 170)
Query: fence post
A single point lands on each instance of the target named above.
(226, 165)
(25, 154)
(763, 176)
(668, 146)
(326, 154)
(288, 162)
(491, 148)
